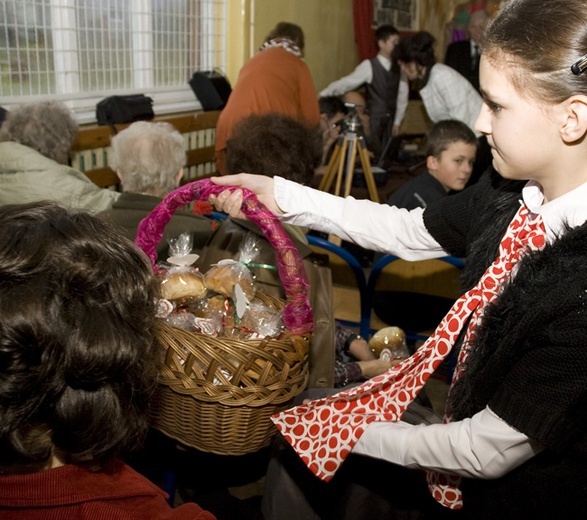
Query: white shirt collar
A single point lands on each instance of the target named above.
(568, 209)
(384, 61)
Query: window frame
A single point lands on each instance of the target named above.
(166, 99)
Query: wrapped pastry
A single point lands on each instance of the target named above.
(223, 276)
(183, 284)
(226, 274)
(182, 280)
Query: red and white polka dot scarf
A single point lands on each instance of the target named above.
(323, 432)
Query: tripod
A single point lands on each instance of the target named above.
(342, 163)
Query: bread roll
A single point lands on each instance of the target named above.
(183, 284)
(222, 278)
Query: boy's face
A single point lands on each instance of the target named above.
(386, 46)
(454, 166)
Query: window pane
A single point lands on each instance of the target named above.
(103, 30)
(26, 49)
(77, 48)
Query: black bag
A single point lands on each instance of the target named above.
(115, 110)
(211, 88)
(3, 114)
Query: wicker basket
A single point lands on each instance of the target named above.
(218, 394)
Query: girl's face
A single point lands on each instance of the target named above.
(411, 69)
(522, 132)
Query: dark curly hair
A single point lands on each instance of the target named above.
(418, 48)
(273, 144)
(77, 301)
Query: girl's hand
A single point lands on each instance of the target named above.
(231, 203)
(376, 367)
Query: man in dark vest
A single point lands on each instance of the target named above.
(387, 92)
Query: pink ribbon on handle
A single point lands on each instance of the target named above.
(297, 314)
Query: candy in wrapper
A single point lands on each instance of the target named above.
(389, 343)
(260, 321)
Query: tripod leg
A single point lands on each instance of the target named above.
(341, 162)
(328, 178)
(368, 172)
(350, 167)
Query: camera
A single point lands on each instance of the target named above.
(351, 121)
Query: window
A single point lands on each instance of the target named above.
(81, 51)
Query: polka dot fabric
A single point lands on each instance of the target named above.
(323, 432)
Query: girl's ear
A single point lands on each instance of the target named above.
(575, 123)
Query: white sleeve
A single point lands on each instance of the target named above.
(403, 95)
(363, 73)
(484, 446)
(374, 226)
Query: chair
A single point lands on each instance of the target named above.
(412, 295)
(348, 277)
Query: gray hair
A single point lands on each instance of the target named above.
(148, 157)
(47, 127)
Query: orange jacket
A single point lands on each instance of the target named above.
(274, 80)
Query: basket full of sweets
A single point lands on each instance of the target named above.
(231, 356)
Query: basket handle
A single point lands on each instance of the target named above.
(297, 314)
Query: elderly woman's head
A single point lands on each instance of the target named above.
(148, 157)
(47, 127)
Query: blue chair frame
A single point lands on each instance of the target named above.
(376, 272)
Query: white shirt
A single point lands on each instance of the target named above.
(483, 446)
(362, 74)
(448, 95)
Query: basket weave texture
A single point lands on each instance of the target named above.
(218, 394)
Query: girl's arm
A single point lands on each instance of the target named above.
(374, 226)
(484, 446)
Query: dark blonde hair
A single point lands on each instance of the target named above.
(443, 133)
(539, 41)
(288, 30)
